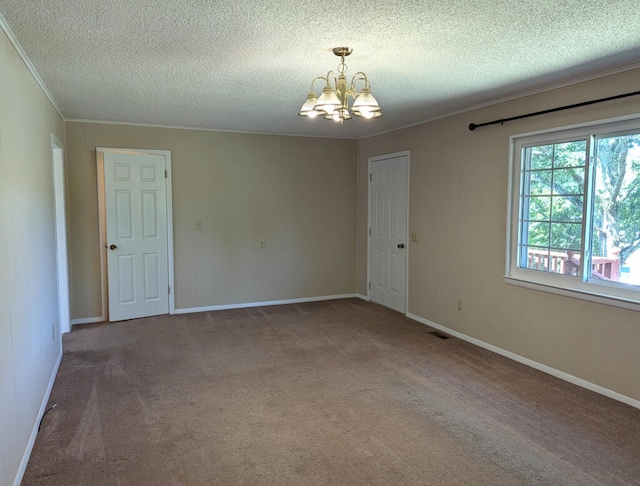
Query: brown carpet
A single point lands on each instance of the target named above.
(331, 393)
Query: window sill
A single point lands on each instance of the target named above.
(599, 298)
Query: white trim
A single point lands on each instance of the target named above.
(34, 431)
(202, 129)
(575, 293)
(87, 320)
(533, 364)
(369, 181)
(102, 234)
(170, 262)
(565, 130)
(244, 305)
(61, 210)
(102, 221)
(404, 153)
(362, 296)
(32, 69)
(407, 236)
(510, 196)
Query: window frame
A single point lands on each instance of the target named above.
(581, 287)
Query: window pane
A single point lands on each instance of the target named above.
(540, 182)
(552, 207)
(535, 259)
(570, 154)
(566, 236)
(541, 157)
(539, 208)
(565, 263)
(568, 181)
(616, 209)
(567, 208)
(537, 234)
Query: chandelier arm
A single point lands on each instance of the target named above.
(335, 82)
(355, 79)
(315, 79)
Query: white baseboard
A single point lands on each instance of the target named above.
(533, 364)
(34, 432)
(363, 297)
(192, 310)
(87, 320)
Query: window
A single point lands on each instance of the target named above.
(574, 221)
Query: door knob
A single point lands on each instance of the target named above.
(401, 245)
(113, 247)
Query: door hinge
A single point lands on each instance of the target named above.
(369, 231)
(371, 177)
(369, 285)
(169, 289)
(165, 174)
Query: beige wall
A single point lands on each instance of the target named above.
(297, 194)
(28, 288)
(458, 207)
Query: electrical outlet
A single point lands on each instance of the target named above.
(199, 224)
(263, 244)
(459, 305)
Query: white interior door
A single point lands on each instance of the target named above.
(136, 235)
(388, 240)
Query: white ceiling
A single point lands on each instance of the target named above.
(247, 65)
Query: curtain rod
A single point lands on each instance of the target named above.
(473, 126)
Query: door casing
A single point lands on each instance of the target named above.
(61, 231)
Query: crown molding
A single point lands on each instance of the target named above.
(32, 69)
(201, 129)
(523, 94)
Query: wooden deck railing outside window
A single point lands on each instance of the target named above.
(603, 268)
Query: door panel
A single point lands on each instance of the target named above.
(149, 216)
(126, 279)
(151, 273)
(123, 215)
(388, 232)
(136, 238)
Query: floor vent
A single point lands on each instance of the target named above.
(438, 334)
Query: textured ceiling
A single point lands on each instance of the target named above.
(247, 65)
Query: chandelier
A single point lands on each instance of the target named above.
(333, 103)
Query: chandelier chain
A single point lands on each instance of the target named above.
(342, 67)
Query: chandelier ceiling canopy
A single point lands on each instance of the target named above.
(333, 103)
